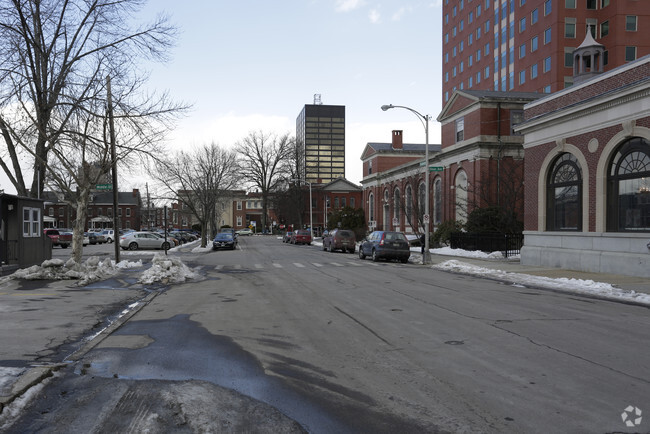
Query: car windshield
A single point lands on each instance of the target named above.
(223, 236)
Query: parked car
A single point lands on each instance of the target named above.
(143, 240)
(301, 236)
(385, 245)
(61, 239)
(224, 240)
(109, 235)
(286, 238)
(340, 239)
(173, 241)
(86, 239)
(245, 231)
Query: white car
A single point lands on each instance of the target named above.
(245, 231)
(143, 240)
(109, 234)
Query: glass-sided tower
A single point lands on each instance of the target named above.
(320, 133)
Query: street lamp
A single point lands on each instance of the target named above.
(311, 227)
(425, 122)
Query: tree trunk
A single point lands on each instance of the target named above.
(79, 224)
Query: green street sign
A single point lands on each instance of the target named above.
(104, 186)
(435, 168)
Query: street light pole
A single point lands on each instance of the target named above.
(426, 258)
(311, 227)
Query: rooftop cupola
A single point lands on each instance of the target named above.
(588, 59)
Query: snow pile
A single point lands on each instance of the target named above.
(588, 287)
(86, 272)
(166, 269)
(448, 251)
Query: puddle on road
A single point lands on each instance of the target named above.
(183, 350)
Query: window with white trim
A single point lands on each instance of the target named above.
(31, 222)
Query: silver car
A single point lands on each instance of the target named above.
(143, 240)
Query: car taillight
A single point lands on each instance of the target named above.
(381, 243)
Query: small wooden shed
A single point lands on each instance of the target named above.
(22, 242)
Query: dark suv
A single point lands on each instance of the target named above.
(385, 245)
(340, 239)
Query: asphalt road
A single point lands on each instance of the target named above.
(344, 345)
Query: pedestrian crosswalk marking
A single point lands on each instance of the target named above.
(299, 265)
(336, 264)
(316, 264)
(276, 265)
(259, 266)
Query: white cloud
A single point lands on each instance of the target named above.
(374, 16)
(400, 13)
(348, 5)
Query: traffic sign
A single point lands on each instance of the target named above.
(104, 186)
(425, 218)
(436, 168)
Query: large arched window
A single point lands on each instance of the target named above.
(408, 203)
(564, 195)
(421, 199)
(461, 196)
(628, 187)
(397, 200)
(437, 201)
(386, 215)
(371, 207)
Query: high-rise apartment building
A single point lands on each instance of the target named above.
(527, 45)
(320, 133)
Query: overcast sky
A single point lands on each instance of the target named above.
(254, 64)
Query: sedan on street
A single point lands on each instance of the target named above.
(143, 240)
(385, 245)
(301, 236)
(245, 231)
(224, 240)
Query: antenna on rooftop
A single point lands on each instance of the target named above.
(317, 100)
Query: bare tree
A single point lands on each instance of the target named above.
(81, 157)
(202, 181)
(53, 54)
(266, 161)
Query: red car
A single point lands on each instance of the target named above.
(63, 239)
(301, 236)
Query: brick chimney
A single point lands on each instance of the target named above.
(135, 192)
(397, 139)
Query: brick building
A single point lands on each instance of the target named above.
(480, 163)
(59, 213)
(587, 174)
(527, 45)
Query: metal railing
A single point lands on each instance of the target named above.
(508, 244)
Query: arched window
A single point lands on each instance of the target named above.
(422, 199)
(386, 214)
(397, 200)
(371, 207)
(564, 195)
(408, 203)
(461, 196)
(437, 201)
(628, 187)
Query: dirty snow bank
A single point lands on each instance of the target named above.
(581, 286)
(166, 269)
(86, 272)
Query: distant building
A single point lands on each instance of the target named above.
(320, 135)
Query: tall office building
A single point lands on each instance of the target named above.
(527, 45)
(320, 132)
